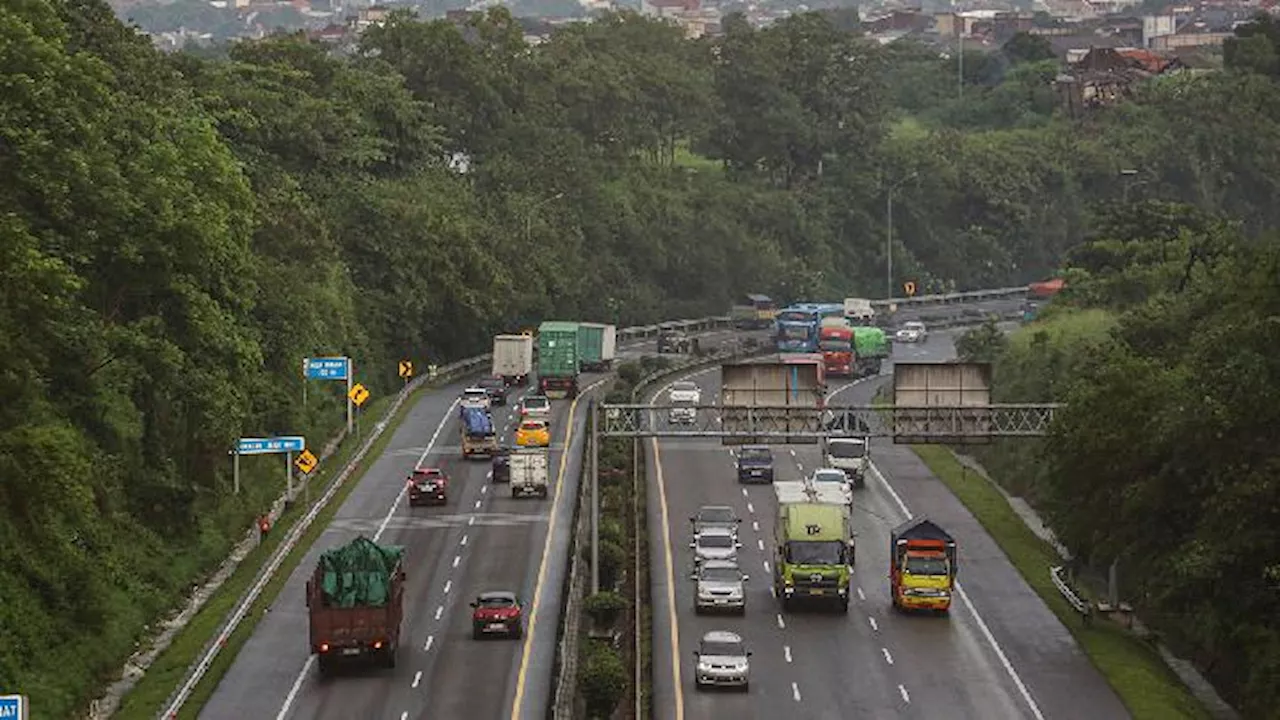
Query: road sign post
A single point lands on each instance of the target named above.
(406, 370)
(15, 707)
(357, 396)
(332, 368)
(306, 464)
(287, 444)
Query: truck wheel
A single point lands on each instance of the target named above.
(844, 604)
(543, 493)
(389, 657)
(325, 665)
(515, 493)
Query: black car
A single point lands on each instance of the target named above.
(502, 465)
(755, 464)
(497, 389)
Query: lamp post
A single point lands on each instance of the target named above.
(528, 216)
(888, 238)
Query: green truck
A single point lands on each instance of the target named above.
(871, 347)
(597, 346)
(558, 359)
(813, 553)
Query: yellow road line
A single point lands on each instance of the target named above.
(672, 620)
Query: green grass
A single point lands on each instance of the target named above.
(148, 697)
(686, 158)
(1133, 668)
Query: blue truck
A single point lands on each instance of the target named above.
(478, 436)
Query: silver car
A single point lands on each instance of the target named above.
(912, 332)
(722, 659)
(714, 544)
(721, 586)
(715, 516)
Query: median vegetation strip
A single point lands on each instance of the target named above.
(1131, 665)
(150, 696)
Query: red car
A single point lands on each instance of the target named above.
(428, 486)
(497, 612)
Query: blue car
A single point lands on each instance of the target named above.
(755, 464)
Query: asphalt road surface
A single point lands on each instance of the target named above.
(1000, 654)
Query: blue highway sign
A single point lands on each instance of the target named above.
(14, 707)
(267, 446)
(327, 368)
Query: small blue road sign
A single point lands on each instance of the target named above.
(269, 446)
(14, 707)
(327, 368)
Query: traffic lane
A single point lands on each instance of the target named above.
(948, 669)
(1059, 678)
(271, 662)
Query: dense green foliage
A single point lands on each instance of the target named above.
(177, 233)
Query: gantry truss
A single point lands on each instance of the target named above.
(737, 425)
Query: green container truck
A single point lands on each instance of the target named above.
(558, 359)
(597, 346)
(871, 346)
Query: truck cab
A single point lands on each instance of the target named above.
(922, 566)
(813, 554)
(851, 455)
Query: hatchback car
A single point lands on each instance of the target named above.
(721, 585)
(533, 433)
(722, 660)
(755, 464)
(535, 406)
(428, 486)
(715, 516)
(715, 543)
(497, 389)
(498, 612)
(475, 397)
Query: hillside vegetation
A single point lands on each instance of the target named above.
(176, 233)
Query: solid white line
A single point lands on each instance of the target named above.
(417, 678)
(982, 625)
(760, 544)
(439, 611)
(448, 585)
(431, 639)
(782, 624)
(795, 691)
(786, 652)
(905, 697)
(297, 685)
(874, 626)
(887, 657)
(457, 559)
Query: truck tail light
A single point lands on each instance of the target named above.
(324, 647)
(377, 644)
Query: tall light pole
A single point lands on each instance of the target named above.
(1128, 174)
(888, 236)
(528, 216)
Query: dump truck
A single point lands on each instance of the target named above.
(355, 601)
(922, 566)
(513, 358)
(529, 472)
(871, 347)
(772, 394)
(813, 547)
(558, 359)
(478, 436)
(597, 346)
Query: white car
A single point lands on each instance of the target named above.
(715, 543)
(685, 392)
(475, 397)
(912, 332)
(535, 406)
(723, 659)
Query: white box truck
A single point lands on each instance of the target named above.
(529, 470)
(513, 358)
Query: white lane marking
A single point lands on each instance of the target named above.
(887, 657)
(800, 467)
(477, 504)
(744, 492)
(431, 640)
(772, 591)
(488, 475)
(793, 453)
(795, 691)
(860, 595)
(439, 611)
(782, 624)
(404, 488)
(786, 652)
(297, 685)
(874, 626)
(905, 697)
(755, 526)
(457, 559)
(448, 585)
(484, 489)
(464, 537)
(470, 521)
(751, 508)
(760, 544)
(766, 566)
(982, 624)
(417, 678)
(404, 715)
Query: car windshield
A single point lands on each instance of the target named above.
(726, 575)
(715, 541)
(496, 602)
(475, 393)
(794, 332)
(684, 387)
(492, 383)
(810, 552)
(829, 476)
(537, 403)
(913, 326)
(926, 566)
(722, 649)
(848, 449)
(715, 515)
(757, 454)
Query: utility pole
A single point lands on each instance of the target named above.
(595, 498)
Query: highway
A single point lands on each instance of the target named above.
(1000, 654)
(483, 539)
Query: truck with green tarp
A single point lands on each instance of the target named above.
(597, 346)
(870, 348)
(558, 359)
(355, 601)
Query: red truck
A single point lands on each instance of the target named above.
(922, 566)
(355, 601)
(836, 343)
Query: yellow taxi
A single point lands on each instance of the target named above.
(533, 433)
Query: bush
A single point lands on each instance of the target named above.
(612, 558)
(604, 680)
(604, 607)
(629, 373)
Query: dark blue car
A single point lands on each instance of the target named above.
(755, 464)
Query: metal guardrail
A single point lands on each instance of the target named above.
(1077, 603)
(951, 298)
